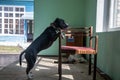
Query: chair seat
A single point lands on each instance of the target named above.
(77, 50)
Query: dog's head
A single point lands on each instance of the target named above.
(60, 23)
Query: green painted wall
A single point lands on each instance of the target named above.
(109, 45)
(80, 13)
(109, 54)
(47, 10)
(90, 13)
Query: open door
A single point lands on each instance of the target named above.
(30, 30)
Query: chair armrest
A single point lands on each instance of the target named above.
(95, 42)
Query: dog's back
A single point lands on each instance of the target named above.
(44, 41)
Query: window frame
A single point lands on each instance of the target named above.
(106, 23)
(11, 26)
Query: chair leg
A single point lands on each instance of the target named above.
(60, 67)
(89, 71)
(95, 64)
(60, 60)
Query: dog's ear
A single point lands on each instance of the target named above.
(60, 23)
(57, 20)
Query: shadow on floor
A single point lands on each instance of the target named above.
(46, 69)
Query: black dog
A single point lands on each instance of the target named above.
(44, 41)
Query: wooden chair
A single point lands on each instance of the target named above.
(90, 50)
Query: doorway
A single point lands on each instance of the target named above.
(30, 30)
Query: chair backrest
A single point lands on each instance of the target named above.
(77, 36)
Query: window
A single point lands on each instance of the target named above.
(5, 14)
(0, 25)
(16, 9)
(0, 21)
(5, 20)
(10, 14)
(0, 14)
(10, 21)
(0, 28)
(108, 15)
(5, 8)
(117, 13)
(21, 9)
(10, 8)
(17, 15)
(0, 8)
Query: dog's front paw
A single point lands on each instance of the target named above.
(30, 76)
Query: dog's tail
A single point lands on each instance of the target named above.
(20, 58)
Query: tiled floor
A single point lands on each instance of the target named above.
(46, 69)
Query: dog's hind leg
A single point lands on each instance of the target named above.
(28, 73)
(30, 64)
(28, 69)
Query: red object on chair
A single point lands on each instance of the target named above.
(78, 50)
(90, 50)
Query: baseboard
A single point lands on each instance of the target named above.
(47, 55)
(106, 77)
